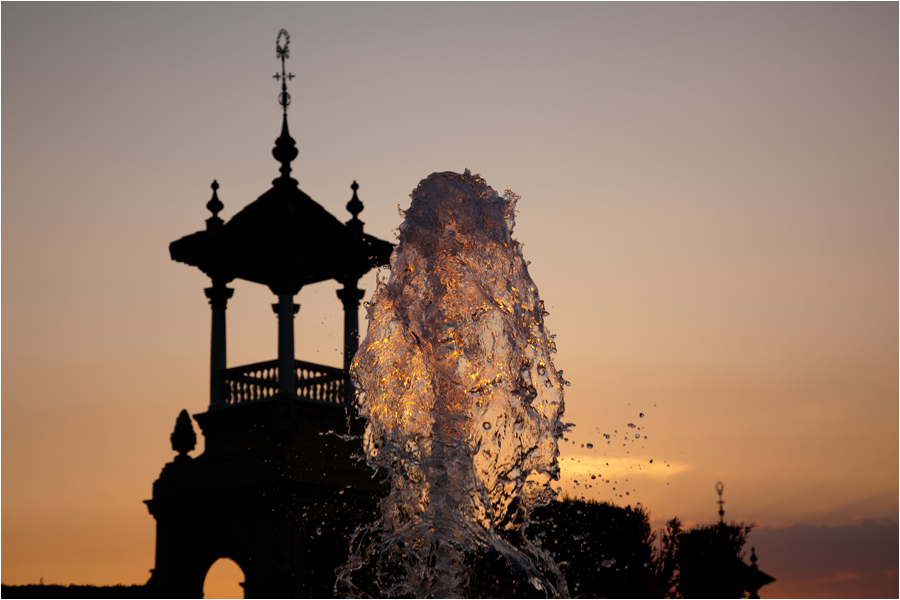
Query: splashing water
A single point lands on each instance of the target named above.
(463, 404)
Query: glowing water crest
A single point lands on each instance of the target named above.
(463, 404)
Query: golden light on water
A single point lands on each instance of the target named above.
(457, 382)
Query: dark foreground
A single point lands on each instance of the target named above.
(605, 551)
(74, 591)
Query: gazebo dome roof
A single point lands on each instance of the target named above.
(284, 239)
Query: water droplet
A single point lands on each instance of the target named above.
(486, 425)
(632, 425)
(606, 564)
(318, 531)
(651, 460)
(606, 435)
(642, 415)
(590, 446)
(637, 436)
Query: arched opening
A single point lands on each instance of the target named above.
(224, 580)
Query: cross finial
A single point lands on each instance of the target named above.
(283, 52)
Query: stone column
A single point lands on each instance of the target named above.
(350, 297)
(218, 296)
(286, 309)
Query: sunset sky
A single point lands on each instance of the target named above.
(709, 200)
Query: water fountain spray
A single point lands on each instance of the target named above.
(463, 403)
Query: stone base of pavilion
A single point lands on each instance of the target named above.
(279, 488)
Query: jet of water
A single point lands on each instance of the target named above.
(463, 403)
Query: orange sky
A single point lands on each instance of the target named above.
(709, 202)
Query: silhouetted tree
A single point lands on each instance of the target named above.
(604, 550)
(609, 551)
(665, 565)
(709, 561)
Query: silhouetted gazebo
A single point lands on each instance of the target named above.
(283, 240)
(274, 489)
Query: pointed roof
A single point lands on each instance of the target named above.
(283, 239)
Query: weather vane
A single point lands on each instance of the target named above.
(283, 52)
(720, 487)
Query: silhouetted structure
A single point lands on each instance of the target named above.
(276, 487)
(709, 559)
(609, 551)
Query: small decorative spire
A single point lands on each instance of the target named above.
(753, 558)
(720, 487)
(354, 207)
(214, 205)
(285, 149)
(183, 438)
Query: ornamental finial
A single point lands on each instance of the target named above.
(283, 52)
(355, 207)
(183, 438)
(720, 487)
(214, 205)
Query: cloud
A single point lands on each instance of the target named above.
(842, 576)
(612, 478)
(858, 560)
(573, 467)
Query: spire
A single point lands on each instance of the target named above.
(285, 149)
(354, 207)
(720, 487)
(214, 205)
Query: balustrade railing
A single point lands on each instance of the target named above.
(259, 381)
